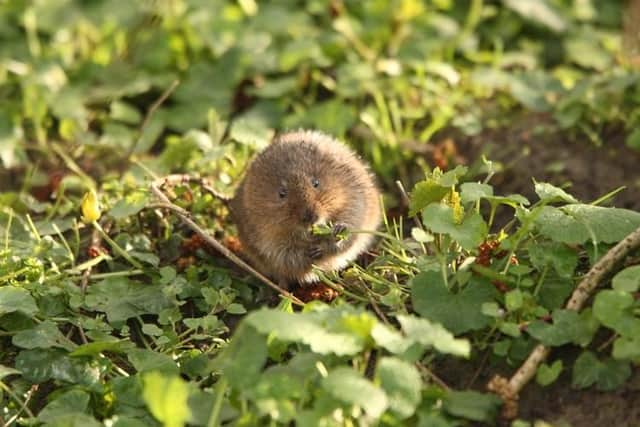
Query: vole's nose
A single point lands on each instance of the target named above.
(309, 216)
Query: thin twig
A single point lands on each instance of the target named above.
(150, 112)
(509, 390)
(185, 217)
(378, 311)
(181, 179)
(96, 240)
(428, 373)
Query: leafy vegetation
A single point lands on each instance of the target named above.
(113, 313)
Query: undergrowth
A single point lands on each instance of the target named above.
(112, 312)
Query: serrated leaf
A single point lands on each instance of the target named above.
(43, 335)
(433, 335)
(561, 257)
(144, 360)
(392, 340)
(166, 397)
(471, 192)
(73, 401)
(607, 375)
(41, 365)
(578, 223)
(568, 326)
(348, 386)
(121, 298)
(433, 300)
(424, 193)
(439, 218)
(550, 193)
(402, 383)
(304, 328)
(16, 299)
(434, 188)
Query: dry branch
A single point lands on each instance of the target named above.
(509, 390)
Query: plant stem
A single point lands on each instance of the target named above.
(221, 388)
(117, 247)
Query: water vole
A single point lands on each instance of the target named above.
(304, 179)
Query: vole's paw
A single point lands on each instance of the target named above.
(315, 252)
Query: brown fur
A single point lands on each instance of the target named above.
(275, 230)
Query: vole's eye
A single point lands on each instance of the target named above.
(282, 193)
(315, 182)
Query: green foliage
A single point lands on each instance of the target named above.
(129, 321)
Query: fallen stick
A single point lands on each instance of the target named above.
(509, 389)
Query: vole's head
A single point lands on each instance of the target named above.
(296, 185)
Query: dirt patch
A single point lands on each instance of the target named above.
(585, 170)
(560, 405)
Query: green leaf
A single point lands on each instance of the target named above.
(547, 374)
(425, 193)
(586, 51)
(130, 205)
(433, 335)
(627, 348)
(614, 309)
(439, 218)
(123, 112)
(550, 193)
(167, 397)
(144, 360)
(627, 280)
(121, 298)
(43, 335)
(633, 139)
(348, 386)
(97, 347)
(471, 192)
(421, 236)
(607, 375)
(392, 340)
(539, 11)
(513, 299)
(41, 365)
(433, 300)
(402, 383)
(434, 188)
(5, 371)
(568, 326)
(16, 299)
(576, 224)
(243, 359)
(70, 402)
(561, 257)
(308, 329)
(472, 405)
(252, 131)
